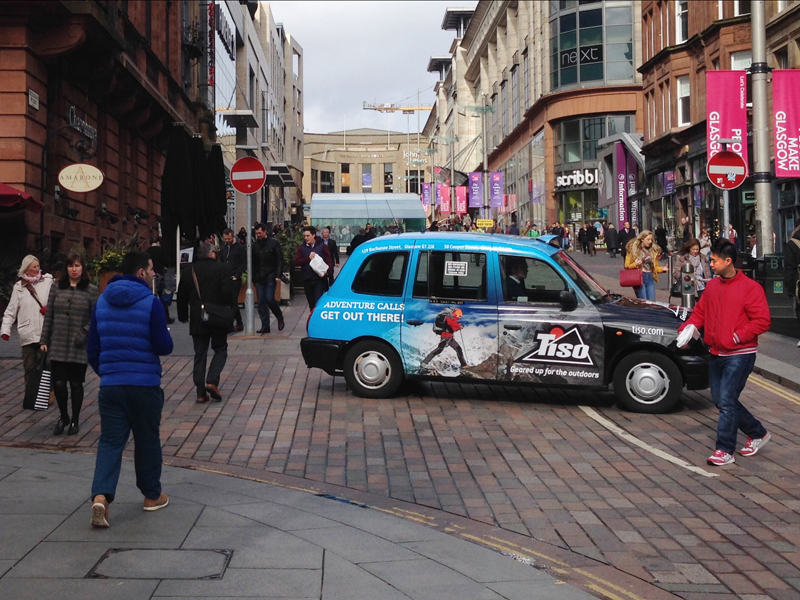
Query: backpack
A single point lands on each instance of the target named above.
(440, 324)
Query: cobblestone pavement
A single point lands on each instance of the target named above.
(542, 464)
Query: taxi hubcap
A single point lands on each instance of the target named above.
(647, 383)
(372, 369)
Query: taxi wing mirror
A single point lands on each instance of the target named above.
(568, 300)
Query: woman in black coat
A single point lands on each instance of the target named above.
(64, 334)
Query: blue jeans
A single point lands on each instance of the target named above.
(727, 376)
(266, 302)
(648, 289)
(126, 408)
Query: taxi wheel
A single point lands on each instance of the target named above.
(373, 369)
(647, 382)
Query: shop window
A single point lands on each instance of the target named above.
(366, 179)
(515, 96)
(314, 181)
(782, 58)
(526, 74)
(681, 21)
(388, 178)
(345, 178)
(504, 109)
(382, 274)
(684, 101)
(326, 182)
(620, 124)
(437, 279)
(413, 180)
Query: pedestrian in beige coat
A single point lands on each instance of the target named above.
(27, 307)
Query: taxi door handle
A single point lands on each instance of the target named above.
(415, 323)
(514, 327)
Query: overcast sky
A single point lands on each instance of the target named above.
(366, 51)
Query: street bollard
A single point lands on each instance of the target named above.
(688, 286)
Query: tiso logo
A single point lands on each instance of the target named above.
(558, 347)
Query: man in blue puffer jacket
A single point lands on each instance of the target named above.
(127, 335)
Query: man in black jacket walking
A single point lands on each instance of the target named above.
(267, 271)
(333, 249)
(234, 256)
(315, 284)
(214, 283)
(626, 234)
(791, 262)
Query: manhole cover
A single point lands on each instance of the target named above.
(139, 563)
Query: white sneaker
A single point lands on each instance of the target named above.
(753, 445)
(720, 458)
(798, 344)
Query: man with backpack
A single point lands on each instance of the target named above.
(446, 324)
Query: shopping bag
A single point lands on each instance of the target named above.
(37, 390)
(630, 278)
(319, 265)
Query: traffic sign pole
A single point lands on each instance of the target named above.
(247, 177)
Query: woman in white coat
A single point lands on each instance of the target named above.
(27, 307)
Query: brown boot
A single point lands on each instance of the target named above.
(154, 505)
(213, 391)
(100, 512)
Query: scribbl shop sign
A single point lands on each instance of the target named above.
(579, 177)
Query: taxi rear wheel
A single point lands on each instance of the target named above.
(373, 369)
(647, 382)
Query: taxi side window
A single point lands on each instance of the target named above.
(451, 276)
(530, 280)
(382, 274)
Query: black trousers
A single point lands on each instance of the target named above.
(314, 289)
(236, 287)
(444, 343)
(219, 343)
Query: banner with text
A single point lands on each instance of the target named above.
(438, 193)
(786, 121)
(726, 111)
(496, 189)
(461, 199)
(622, 184)
(426, 194)
(475, 190)
(445, 207)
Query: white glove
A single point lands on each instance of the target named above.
(688, 334)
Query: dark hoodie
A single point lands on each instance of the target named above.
(128, 333)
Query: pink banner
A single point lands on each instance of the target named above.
(445, 207)
(461, 199)
(786, 122)
(726, 111)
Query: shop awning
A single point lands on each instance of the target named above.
(14, 199)
(366, 207)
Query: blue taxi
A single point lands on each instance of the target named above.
(494, 308)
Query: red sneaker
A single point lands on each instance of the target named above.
(720, 458)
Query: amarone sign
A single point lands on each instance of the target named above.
(80, 177)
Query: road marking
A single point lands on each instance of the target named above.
(604, 592)
(774, 388)
(619, 432)
(614, 587)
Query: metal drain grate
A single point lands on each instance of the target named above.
(145, 563)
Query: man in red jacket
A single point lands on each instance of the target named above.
(734, 311)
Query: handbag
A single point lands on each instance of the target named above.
(37, 389)
(676, 289)
(630, 278)
(214, 316)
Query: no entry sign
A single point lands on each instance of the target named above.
(726, 170)
(248, 175)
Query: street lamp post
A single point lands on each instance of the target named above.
(762, 175)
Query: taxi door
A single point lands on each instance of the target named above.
(544, 337)
(449, 326)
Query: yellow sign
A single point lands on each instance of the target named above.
(80, 177)
(484, 223)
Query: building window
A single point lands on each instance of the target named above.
(720, 11)
(681, 20)
(388, 177)
(326, 182)
(515, 96)
(575, 140)
(366, 179)
(314, 181)
(664, 100)
(668, 103)
(782, 58)
(684, 101)
(504, 108)
(413, 179)
(526, 82)
(251, 91)
(741, 61)
(741, 7)
(494, 135)
(345, 178)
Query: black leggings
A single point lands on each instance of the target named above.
(76, 389)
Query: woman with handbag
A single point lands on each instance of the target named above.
(690, 253)
(642, 254)
(66, 328)
(27, 307)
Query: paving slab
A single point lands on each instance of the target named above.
(19, 534)
(75, 589)
(283, 517)
(355, 545)
(62, 560)
(545, 590)
(248, 583)
(345, 581)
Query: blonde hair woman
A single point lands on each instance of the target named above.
(27, 307)
(642, 254)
